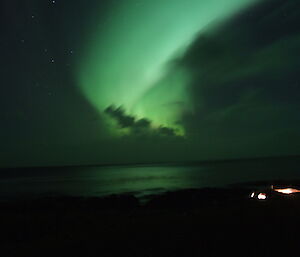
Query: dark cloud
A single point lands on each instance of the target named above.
(124, 120)
(166, 131)
(143, 124)
(245, 79)
(137, 126)
(255, 50)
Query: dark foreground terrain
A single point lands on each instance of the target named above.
(206, 222)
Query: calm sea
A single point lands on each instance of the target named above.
(140, 180)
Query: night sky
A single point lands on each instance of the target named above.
(133, 81)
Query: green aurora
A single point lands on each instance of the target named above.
(130, 59)
(148, 81)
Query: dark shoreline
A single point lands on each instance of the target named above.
(205, 222)
(195, 222)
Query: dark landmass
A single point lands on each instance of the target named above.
(202, 222)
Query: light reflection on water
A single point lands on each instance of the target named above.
(143, 180)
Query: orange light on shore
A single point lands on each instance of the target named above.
(262, 196)
(287, 190)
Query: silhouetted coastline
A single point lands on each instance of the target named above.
(194, 222)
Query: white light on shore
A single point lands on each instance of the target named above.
(262, 196)
(287, 190)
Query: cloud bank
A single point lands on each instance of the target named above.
(244, 83)
(138, 127)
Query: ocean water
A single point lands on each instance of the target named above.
(141, 180)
